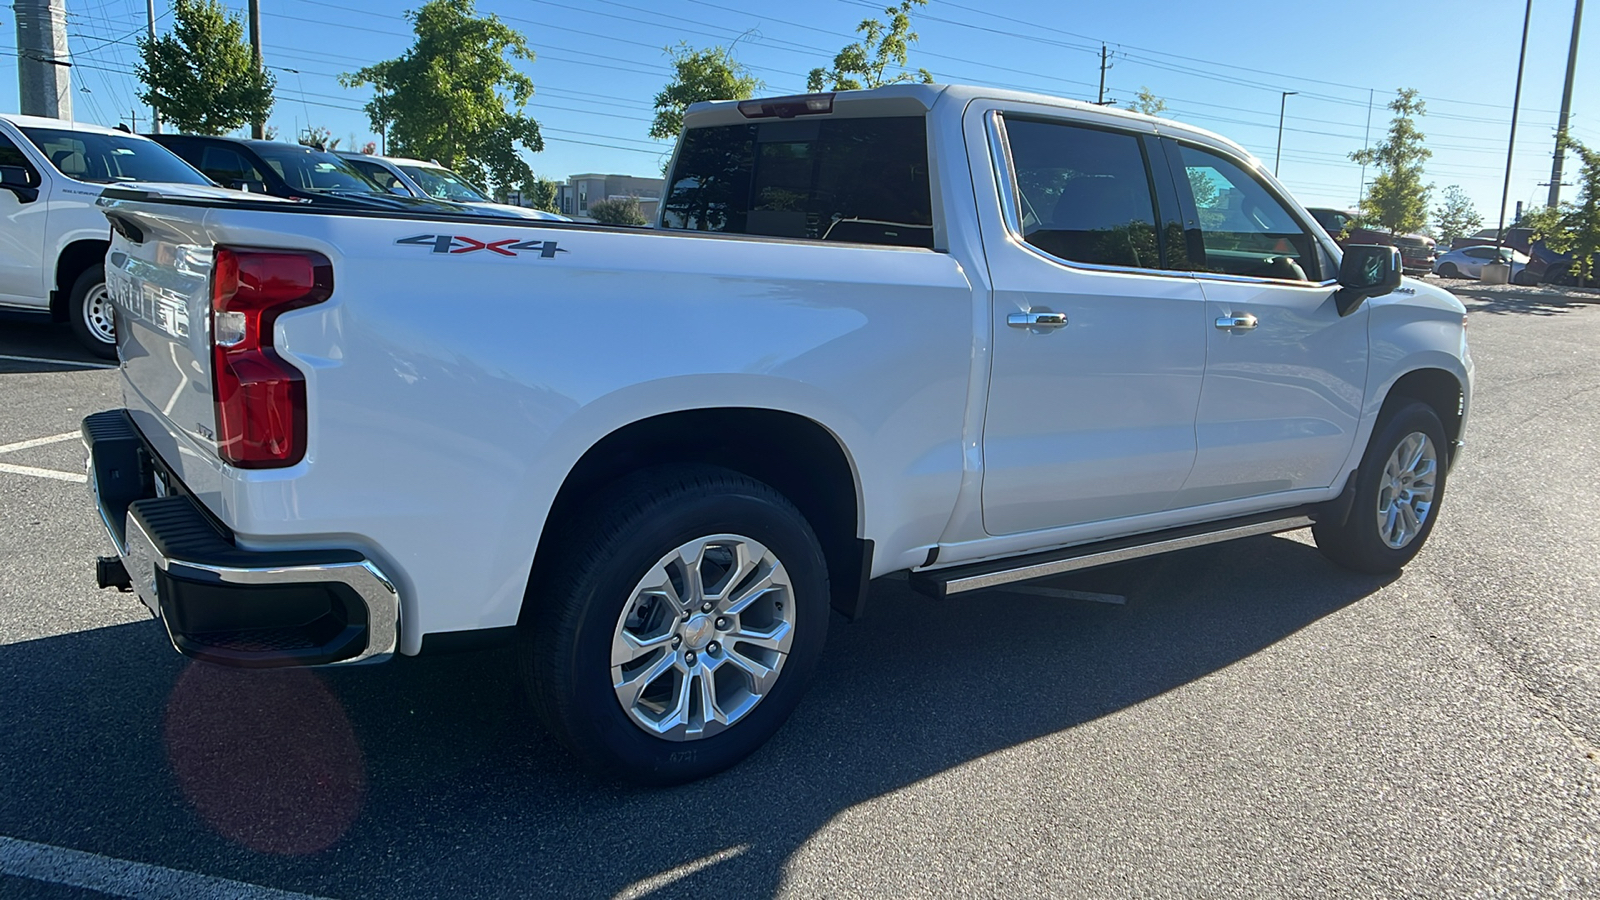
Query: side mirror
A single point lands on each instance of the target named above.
(249, 187)
(1368, 270)
(16, 180)
(399, 190)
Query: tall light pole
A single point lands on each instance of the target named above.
(1511, 143)
(1282, 101)
(150, 22)
(1566, 109)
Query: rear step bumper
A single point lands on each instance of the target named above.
(960, 579)
(221, 603)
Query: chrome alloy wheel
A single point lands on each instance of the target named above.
(703, 637)
(1406, 490)
(97, 314)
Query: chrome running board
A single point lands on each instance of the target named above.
(961, 579)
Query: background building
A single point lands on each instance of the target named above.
(582, 190)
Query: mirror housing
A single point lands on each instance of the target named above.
(1367, 270)
(17, 180)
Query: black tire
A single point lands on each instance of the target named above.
(1356, 543)
(571, 613)
(92, 336)
(1449, 270)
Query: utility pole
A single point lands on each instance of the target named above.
(1511, 143)
(1282, 101)
(1101, 100)
(1566, 108)
(1367, 143)
(44, 77)
(150, 19)
(258, 128)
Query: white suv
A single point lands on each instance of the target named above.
(53, 238)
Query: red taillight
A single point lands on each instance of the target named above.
(260, 398)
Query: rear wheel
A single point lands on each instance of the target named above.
(90, 313)
(1398, 490)
(677, 626)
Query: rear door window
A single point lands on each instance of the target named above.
(1085, 193)
(855, 180)
(226, 167)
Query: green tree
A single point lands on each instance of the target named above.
(201, 77)
(699, 75)
(455, 96)
(1575, 227)
(617, 211)
(1397, 201)
(1456, 217)
(1147, 102)
(540, 193)
(862, 64)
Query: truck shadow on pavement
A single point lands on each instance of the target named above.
(425, 777)
(1540, 301)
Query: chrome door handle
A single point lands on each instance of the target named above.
(1236, 323)
(1036, 320)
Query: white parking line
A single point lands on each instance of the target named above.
(76, 477)
(647, 886)
(123, 878)
(38, 442)
(58, 362)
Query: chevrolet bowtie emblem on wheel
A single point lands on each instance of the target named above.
(456, 243)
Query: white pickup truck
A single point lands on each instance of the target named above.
(52, 237)
(978, 335)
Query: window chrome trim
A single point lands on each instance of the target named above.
(1005, 175)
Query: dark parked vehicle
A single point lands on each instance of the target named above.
(1547, 266)
(293, 172)
(1416, 250)
(1518, 239)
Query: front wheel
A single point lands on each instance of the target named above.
(677, 625)
(1449, 270)
(1398, 490)
(90, 313)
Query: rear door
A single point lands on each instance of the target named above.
(22, 234)
(1098, 349)
(1285, 373)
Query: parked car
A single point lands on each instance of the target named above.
(52, 237)
(1547, 266)
(1416, 250)
(1049, 335)
(1468, 262)
(1518, 239)
(415, 178)
(293, 172)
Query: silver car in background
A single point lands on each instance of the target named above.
(419, 178)
(1468, 262)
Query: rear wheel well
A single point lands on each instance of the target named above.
(75, 258)
(794, 455)
(1437, 388)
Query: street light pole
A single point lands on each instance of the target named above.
(1282, 101)
(1511, 143)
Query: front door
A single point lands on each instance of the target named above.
(22, 231)
(1098, 353)
(1285, 373)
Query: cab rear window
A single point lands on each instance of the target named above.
(851, 180)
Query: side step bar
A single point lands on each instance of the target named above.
(961, 579)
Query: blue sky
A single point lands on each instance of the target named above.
(1221, 66)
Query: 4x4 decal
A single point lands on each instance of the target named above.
(457, 243)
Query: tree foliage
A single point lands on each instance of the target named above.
(862, 64)
(699, 75)
(1574, 227)
(202, 77)
(1147, 102)
(455, 97)
(541, 193)
(617, 211)
(1456, 217)
(1397, 201)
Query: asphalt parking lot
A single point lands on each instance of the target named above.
(1252, 721)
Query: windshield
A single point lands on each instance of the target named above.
(107, 158)
(443, 184)
(313, 170)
